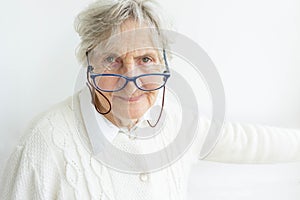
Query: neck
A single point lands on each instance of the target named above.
(121, 122)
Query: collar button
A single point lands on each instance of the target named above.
(144, 177)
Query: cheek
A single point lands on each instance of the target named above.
(103, 102)
(109, 83)
(108, 95)
(151, 97)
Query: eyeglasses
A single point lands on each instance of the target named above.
(115, 82)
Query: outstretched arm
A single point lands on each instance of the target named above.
(246, 143)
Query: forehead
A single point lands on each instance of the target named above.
(131, 37)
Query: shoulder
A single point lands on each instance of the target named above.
(34, 166)
(47, 132)
(48, 135)
(58, 115)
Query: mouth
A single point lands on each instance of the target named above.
(131, 99)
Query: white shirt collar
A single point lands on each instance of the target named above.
(110, 130)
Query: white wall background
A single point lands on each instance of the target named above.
(254, 44)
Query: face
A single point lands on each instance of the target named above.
(123, 56)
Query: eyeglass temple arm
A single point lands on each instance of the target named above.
(90, 68)
(166, 62)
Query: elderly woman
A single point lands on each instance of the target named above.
(127, 71)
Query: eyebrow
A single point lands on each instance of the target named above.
(136, 53)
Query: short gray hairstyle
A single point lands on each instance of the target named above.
(102, 18)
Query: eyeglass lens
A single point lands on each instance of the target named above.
(144, 82)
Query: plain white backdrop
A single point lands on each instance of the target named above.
(254, 44)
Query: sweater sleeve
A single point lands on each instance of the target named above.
(246, 143)
(30, 172)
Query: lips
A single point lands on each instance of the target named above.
(131, 99)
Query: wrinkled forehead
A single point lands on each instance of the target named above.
(143, 39)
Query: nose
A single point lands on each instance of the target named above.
(128, 69)
(128, 66)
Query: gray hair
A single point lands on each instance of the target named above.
(102, 18)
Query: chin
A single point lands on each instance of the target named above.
(136, 114)
(132, 111)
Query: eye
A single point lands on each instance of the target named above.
(112, 63)
(110, 59)
(146, 59)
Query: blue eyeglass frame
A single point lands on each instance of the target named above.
(93, 76)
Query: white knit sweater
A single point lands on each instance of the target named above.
(53, 162)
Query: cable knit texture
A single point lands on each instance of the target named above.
(52, 161)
